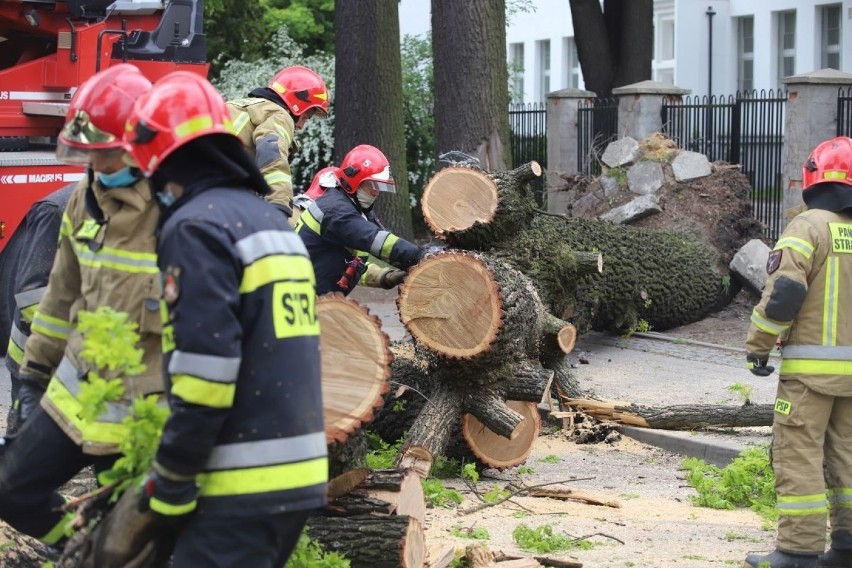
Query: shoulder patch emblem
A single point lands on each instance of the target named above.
(171, 289)
(774, 261)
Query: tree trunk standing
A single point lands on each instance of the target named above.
(614, 43)
(367, 102)
(471, 80)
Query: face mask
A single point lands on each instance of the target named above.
(122, 178)
(166, 197)
(365, 199)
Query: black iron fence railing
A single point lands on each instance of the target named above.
(528, 132)
(597, 127)
(844, 111)
(745, 129)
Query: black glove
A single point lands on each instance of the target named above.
(170, 498)
(757, 364)
(392, 278)
(29, 395)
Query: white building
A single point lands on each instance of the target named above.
(755, 43)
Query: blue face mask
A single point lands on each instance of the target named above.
(122, 178)
(166, 198)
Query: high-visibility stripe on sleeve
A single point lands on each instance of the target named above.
(802, 505)
(265, 452)
(383, 244)
(241, 121)
(29, 298)
(276, 268)
(17, 339)
(196, 390)
(283, 133)
(308, 219)
(797, 244)
(266, 243)
(171, 510)
(771, 327)
(208, 367)
(277, 177)
(264, 479)
(51, 326)
(840, 497)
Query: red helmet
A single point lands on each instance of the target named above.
(831, 161)
(366, 165)
(97, 112)
(181, 107)
(325, 178)
(301, 90)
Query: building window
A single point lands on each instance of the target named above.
(786, 45)
(831, 37)
(572, 74)
(516, 72)
(745, 54)
(543, 68)
(663, 61)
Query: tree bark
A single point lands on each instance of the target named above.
(367, 104)
(374, 541)
(677, 417)
(471, 80)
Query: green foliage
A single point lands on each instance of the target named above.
(476, 533)
(743, 390)
(226, 41)
(418, 103)
(619, 174)
(526, 470)
(399, 405)
(443, 468)
(495, 494)
(542, 540)
(470, 472)
(748, 481)
(110, 343)
(640, 326)
(311, 22)
(440, 496)
(309, 554)
(551, 459)
(380, 454)
(96, 392)
(726, 284)
(316, 141)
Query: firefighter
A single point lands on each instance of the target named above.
(341, 231)
(242, 458)
(807, 294)
(266, 122)
(105, 257)
(24, 270)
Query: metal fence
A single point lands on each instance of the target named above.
(745, 129)
(844, 111)
(528, 135)
(598, 126)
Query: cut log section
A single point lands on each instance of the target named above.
(471, 208)
(677, 417)
(384, 491)
(378, 541)
(494, 450)
(356, 361)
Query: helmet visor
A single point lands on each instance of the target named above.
(375, 186)
(76, 156)
(316, 112)
(81, 131)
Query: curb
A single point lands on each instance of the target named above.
(716, 452)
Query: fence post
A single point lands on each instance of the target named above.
(810, 118)
(640, 107)
(562, 141)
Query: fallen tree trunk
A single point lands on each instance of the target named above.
(677, 417)
(374, 541)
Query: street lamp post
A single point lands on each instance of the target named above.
(710, 13)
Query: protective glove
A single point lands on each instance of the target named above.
(171, 497)
(392, 278)
(757, 364)
(29, 395)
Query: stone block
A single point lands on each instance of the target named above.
(634, 210)
(621, 152)
(645, 178)
(690, 165)
(588, 206)
(609, 185)
(749, 264)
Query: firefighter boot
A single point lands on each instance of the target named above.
(780, 559)
(836, 558)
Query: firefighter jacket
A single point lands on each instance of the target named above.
(242, 361)
(27, 260)
(340, 237)
(106, 257)
(806, 300)
(266, 129)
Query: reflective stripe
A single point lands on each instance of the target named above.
(30, 297)
(51, 326)
(767, 325)
(383, 244)
(241, 121)
(276, 268)
(66, 229)
(840, 497)
(802, 505)
(134, 262)
(315, 210)
(277, 177)
(811, 367)
(196, 390)
(208, 367)
(266, 243)
(171, 510)
(15, 353)
(264, 479)
(308, 218)
(282, 132)
(60, 530)
(843, 353)
(17, 339)
(70, 407)
(797, 244)
(829, 315)
(28, 313)
(267, 452)
(69, 377)
(18, 336)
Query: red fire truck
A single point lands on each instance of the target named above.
(47, 49)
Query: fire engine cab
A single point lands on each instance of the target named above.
(47, 49)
